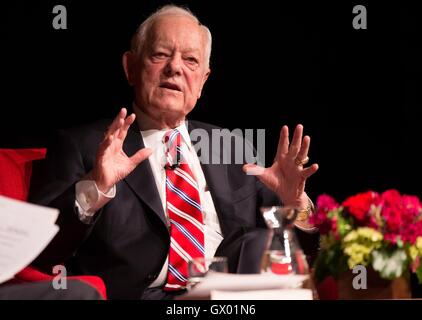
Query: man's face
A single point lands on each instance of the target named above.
(169, 74)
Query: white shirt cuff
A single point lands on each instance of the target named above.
(89, 199)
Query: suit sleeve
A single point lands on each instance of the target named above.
(55, 187)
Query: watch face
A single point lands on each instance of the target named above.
(303, 215)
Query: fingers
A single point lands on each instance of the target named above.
(117, 129)
(296, 141)
(120, 125)
(283, 142)
(117, 122)
(306, 173)
(140, 156)
(125, 127)
(304, 149)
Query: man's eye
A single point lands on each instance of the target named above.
(159, 55)
(191, 60)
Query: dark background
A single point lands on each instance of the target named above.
(355, 91)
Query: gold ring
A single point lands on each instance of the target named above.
(301, 162)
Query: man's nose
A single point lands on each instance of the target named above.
(174, 66)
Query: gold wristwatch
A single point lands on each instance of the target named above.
(304, 214)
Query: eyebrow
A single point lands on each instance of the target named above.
(167, 45)
(191, 50)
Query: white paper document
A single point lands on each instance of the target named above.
(25, 230)
(246, 284)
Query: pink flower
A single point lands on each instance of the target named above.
(326, 202)
(411, 204)
(391, 197)
(398, 217)
(390, 237)
(392, 216)
(409, 232)
(401, 215)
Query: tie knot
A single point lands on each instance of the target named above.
(171, 137)
(172, 143)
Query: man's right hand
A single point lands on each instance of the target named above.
(111, 163)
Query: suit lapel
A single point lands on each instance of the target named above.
(141, 179)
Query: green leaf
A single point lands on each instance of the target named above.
(330, 262)
(389, 264)
(399, 242)
(344, 225)
(419, 273)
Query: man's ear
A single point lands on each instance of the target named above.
(127, 61)
(203, 82)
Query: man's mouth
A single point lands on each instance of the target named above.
(170, 86)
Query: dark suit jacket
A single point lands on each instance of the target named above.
(128, 240)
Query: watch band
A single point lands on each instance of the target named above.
(304, 214)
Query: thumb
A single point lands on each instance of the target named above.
(263, 174)
(253, 169)
(141, 155)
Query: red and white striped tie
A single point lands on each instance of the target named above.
(184, 213)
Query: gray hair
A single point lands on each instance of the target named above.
(138, 39)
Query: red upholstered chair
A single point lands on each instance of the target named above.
(16, 170)
(15, 177)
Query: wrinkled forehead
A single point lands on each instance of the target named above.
(183, 31)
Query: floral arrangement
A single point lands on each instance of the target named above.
(371, 229)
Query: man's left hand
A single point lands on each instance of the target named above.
(287, 176)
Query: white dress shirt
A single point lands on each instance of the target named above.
(89, 199)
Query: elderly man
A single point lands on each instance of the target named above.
(136, 203)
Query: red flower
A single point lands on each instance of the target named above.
(358, 206)
(397, 217)
(391, 198)
(394, 215)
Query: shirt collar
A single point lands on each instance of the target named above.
(157, 134)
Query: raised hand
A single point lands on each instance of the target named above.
(111, 163)
(287, 176)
